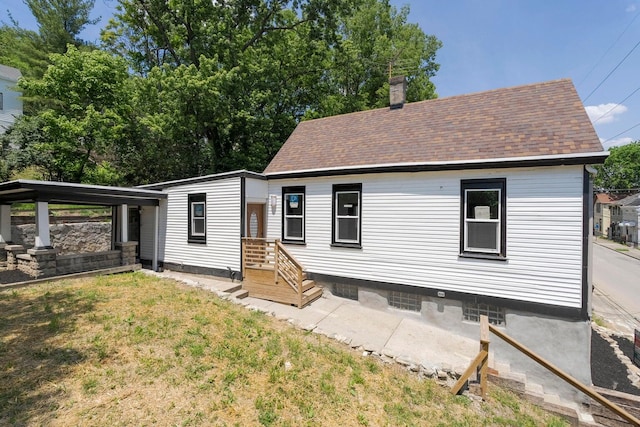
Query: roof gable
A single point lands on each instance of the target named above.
(632, 200)
(544, 119)
(10, 73)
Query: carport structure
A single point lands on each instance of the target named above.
(42, 258)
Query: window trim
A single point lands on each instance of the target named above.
(345, 188)
(299, 190)
(499, 184)
(193, 237)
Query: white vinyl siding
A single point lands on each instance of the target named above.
(222, 248)
(410, 231)
(147, 215)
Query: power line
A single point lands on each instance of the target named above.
(612, 71)
(609, 49)
(616, 106)
(623, 132)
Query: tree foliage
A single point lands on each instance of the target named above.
(23, 49)
(61, 21)
(621, 170)
(238, 75)
(195, 87)
(83, 98)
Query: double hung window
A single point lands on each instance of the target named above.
(483, 217)
(197, 218)
(293, 218)
(347, 217)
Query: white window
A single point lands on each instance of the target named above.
(346, 214)
(197, 218)
(293, 218)
(483, 217)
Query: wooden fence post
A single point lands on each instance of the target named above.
(484, 347)
(479, 363)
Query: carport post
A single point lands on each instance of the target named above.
(42, 240)
(124, 223)
(5, 224)
(154, 262)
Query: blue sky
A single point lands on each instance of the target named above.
(489, 44)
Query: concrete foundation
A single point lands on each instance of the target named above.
(565, 343)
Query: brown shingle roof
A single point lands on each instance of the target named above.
(525, 121)
(604, 198)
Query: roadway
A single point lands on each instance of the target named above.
(616, 281)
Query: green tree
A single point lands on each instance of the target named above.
(60, 22)
(23, 49)
(223, 84)
(83, 99)
(375, 40)
(621, 170)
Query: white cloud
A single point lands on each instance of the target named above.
(615, 142)
(605, 113)
(631, 8)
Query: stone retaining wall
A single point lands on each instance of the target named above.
(39, 263)
(68, 238)
(76, 263)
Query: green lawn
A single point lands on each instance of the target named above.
(135, 350)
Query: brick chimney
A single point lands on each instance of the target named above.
(397, 92)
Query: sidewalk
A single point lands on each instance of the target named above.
(412, 343)
(618, 247)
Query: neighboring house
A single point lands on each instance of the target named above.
(606, 212)
(451, 208)
(629, 218)
(10, 102)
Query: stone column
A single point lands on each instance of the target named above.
(12, 255)
(43, 262)
(127, 252)
(43, 240)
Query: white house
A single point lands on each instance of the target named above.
(10, 102)
(627, 227)
(448, 208)
(441, 210)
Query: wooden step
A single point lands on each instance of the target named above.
(307, 284)
(240, 294)
(311, 295)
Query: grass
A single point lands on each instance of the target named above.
(135, 350)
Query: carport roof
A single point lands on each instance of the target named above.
(23, 190)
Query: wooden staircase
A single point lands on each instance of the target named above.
(272, 273)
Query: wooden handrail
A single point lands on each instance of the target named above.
(482, 358)
(286, 266)
(566, 377)
(293, 260)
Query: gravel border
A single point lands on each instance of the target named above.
(611, 368)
